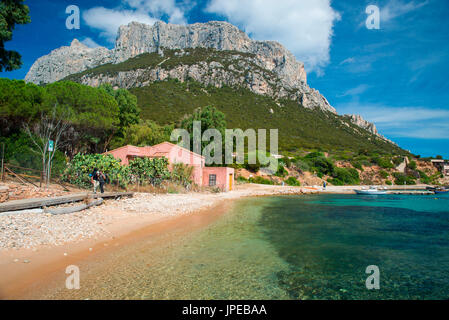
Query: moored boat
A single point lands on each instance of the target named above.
(441, 190)
(371, 191)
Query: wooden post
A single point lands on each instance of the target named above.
(2, 177)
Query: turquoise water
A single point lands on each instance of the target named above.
(329, 240)
(295, 247)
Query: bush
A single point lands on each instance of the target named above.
(412, 165)
(302, 165)
(82, 165)
(260, 180)
(383, 162)
(389, 183)
(21, 151)
(319, 163)
(293, 182)
(242, 180)
(398, 160)
(384, 174)
(286, 162)
(152, 171)
(401, 179)
(357, 165)
(182, 174)
(343, 176)
(281, 172)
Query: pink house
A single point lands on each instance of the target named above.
(203, 176)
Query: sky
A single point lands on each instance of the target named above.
(395, 75)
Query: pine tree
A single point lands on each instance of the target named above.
(12, 12)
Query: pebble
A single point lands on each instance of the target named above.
(26, 261)
(31, 230)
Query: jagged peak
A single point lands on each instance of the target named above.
(76, 43)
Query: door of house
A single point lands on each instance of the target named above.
(231, 181)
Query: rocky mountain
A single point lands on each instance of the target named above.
(362, 123)
(65, 61)
(214, 54)
(137, 38)
(368, 126)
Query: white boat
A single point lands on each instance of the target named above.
(371, 191)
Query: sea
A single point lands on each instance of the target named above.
(308, 247)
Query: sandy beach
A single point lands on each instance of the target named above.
(33, 246)
(36, 248)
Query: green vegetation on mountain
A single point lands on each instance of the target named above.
(167, 102)
(169, 60)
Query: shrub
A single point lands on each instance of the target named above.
(82, 165)
(357, 165)
(146, 170)
(398, 160)
(412, 165)
(384, 174)
(242, 180)
(401, 179)
(389, 183)
(21, 151)
(260, 180)
(286, 162)
(343, 176)
(383, 162)
(319, 163)
(182, 174)
(293, 182)
(302, 165)
(281, 172)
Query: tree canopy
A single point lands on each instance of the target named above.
(12, 12)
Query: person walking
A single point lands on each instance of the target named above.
(98, 180)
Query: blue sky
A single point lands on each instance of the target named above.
(395, 76)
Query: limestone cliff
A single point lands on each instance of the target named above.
(137, 38)
(369, 126)
(231, 58)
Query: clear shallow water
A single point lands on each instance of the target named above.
(305, 247)
(329, 240)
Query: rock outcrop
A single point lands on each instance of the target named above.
(264, 67)
(362, 123)
(368, 126)
(65, 61)
(137, 38)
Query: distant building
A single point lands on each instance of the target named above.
(220, 177)
(442, 166)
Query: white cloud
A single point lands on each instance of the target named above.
(411, 122)
(145, 11)
(305, 27)
(355, 91)
(90, 43)
(396, 8)
(348, 61)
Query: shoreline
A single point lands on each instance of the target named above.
(84, 236)
(117, 223)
